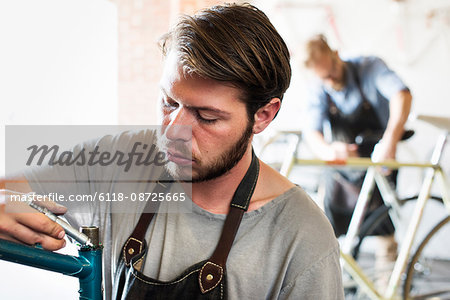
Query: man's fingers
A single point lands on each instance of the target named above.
(54, 207)
(352, 150)
(352, 147)
(25, 235)
(10, 197)
(9, 238)
(40, 223)
(21, 223)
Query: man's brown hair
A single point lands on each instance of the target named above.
(236, 44)
(315, 48)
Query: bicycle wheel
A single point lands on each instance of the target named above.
(427, 277)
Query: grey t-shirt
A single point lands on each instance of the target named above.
(284, 250)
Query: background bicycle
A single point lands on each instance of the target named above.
(424, 269)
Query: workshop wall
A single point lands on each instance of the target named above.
(97, 62)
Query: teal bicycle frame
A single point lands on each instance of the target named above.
(87, 266)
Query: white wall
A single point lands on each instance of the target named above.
(58, 63)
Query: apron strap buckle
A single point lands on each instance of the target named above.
(132, 248)
(210, 276)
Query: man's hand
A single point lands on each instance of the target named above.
(21, 223)
(333, 151)
(384, 150)
(341, 151)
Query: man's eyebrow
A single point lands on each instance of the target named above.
(208, 109)
(203, 108)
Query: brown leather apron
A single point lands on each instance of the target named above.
(204, 280)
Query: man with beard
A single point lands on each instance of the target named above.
(251, 233)
(355, 100)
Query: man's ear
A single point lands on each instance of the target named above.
(265, 115)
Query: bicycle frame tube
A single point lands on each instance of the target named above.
(360, 210)
(87, 266)
(91, 286)
(424, 195)
(389, 197)
(362, 163)
(445, 187)
(405, 249)
(358, 275)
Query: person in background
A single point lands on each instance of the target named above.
(353, 104)
(252, 234)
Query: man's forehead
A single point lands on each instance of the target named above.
(321, 59)
(174, 72)
(172, 69)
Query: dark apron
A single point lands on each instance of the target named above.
(204, 280)
(342, 186)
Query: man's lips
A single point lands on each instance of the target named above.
(178, 158)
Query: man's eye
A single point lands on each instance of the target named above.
(205, 118)
(170, 104)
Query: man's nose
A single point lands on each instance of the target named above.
(180, 126)
(329, 81)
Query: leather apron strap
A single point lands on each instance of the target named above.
(135, 244)
(213, 270)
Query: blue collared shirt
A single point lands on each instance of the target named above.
(378, 83)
